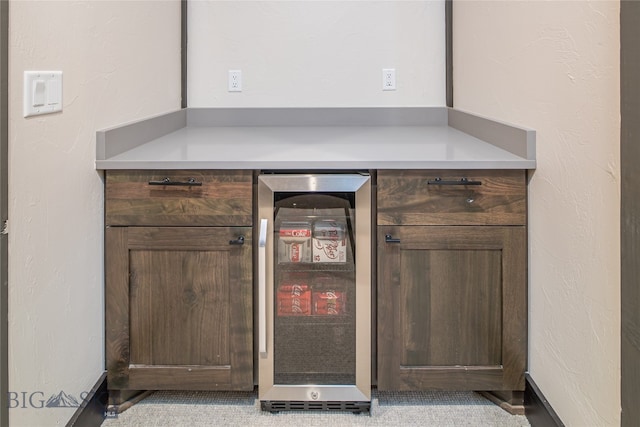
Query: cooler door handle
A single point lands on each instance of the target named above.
(262, 288)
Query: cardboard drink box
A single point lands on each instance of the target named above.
(294, 243)
(329, 241)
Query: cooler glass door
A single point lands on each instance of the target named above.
(315, 293)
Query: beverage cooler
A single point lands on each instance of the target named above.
(314, 289)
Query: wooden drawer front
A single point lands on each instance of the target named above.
(223, 199)
(407, 197)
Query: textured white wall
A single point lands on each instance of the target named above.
(554, 66)
(121, 61)
(316, 53)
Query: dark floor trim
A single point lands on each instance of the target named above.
(448, 19)
(4, 204)
(629, 212)
(536, 407)
(93, 409)
(183, 55)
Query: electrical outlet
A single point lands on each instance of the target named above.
(388, 79)
(235, 81)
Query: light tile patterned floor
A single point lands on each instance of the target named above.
(193, 409)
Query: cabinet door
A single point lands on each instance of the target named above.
(451, 308)
(179, 308)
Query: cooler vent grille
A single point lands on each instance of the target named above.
(299, 405)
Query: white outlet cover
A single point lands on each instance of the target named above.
(388, 79)
(42, 92)
(235, 81)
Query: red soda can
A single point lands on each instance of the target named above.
(329, 303)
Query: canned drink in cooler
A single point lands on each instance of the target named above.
(295, 231)
(329, 302)
(294, 300)
(329, 229)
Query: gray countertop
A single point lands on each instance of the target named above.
(316, 138)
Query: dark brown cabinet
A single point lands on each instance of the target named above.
(179, 281)
(452, 295)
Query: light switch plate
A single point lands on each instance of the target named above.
(42, 92)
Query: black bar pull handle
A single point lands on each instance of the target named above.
(238, 241)
(388, 238)
(461, 181)
(167, 181)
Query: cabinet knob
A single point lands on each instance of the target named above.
(238, 241)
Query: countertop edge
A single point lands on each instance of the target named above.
(116, 140)
(268, 165)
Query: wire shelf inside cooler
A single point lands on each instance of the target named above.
(317, 266)
(314, 320)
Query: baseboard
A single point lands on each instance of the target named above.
(537, 409)
(91, 412)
